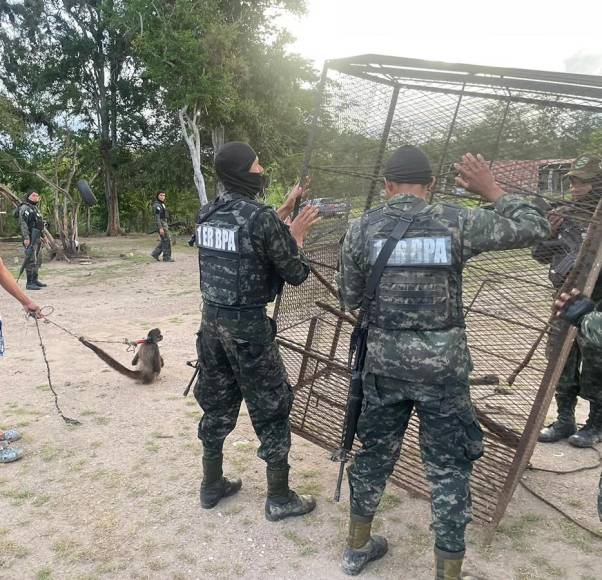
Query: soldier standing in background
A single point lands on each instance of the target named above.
(246, 254)
(580, 311)
(32, 228)
(161, 215)
(582, 373)
(417, 355)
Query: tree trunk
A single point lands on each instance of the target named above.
(218, 138)
(192, 136)
(113, 224)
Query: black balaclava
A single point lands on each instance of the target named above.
(232, 164)
(408, 164)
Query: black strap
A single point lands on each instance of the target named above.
(400, 229)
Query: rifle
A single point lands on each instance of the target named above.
(29, 250)
(357, 350)
(172, 225)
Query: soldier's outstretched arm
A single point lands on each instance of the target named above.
(351, 277)
(273, 239)
(515, 222)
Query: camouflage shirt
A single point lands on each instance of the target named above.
(591, 328)
(433, 356)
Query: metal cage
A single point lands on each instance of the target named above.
(531, 125)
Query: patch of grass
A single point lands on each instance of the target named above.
(576, 537)
(11, 551)
(388, 501)
(17, 496)
(304, 545)
(40, 500)
(157, 565)
(48, 452)
(232, 511)
(43, 388)
(88, 413)
(70, 550)
(576, 503)
(544, 566)
(310, 487)
(44, 573)
(152, 446)
(102, 420)
(520, 530)
(186, 557)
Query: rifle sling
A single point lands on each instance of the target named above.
(399, 231)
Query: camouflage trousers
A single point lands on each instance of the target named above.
(450, 440)
(239, 359)
(163, 247)
(32, 266)
(582, 374)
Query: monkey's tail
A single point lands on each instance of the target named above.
(114, 364)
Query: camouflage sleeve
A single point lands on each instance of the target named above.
(23, 214)
(353, 267)
(591, 328)
(273, 240)
(157, 212)
(515, 222)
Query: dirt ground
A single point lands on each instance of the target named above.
(117, 497)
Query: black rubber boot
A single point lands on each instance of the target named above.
(214, 485)
(564, 426)
(36, 281)
(362, 548)
(31, 285)
(283, 502)
(591, 432)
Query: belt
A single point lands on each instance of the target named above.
(213, 312)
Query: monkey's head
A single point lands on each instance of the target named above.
(154, 336)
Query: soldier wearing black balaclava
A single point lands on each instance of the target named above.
(246, 254)
(32, 228)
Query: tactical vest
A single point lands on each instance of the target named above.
(421, 287)
(232, 274)
(160, 208)
(31, 216)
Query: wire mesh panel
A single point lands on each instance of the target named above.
(531, 125)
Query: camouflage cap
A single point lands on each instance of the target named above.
(586, 167)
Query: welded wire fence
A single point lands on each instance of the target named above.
(531, 125)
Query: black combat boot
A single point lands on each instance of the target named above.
(31, 285)
(214, 485)
(565, 425)
(37, 281)
(591, 432)
(283, 502)
(361, 546)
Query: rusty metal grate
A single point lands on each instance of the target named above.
(531, 125)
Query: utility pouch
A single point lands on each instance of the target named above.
(473, 436)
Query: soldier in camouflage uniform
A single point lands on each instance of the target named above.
(246, 254)
(162, 222)
(580, 311)
(417, 356)
(32, 228)
(582, 373)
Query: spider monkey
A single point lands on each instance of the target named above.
(147, 357)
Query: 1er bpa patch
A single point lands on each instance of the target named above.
(424, 251)
(220, 238)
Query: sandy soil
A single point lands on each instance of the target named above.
(117, 497)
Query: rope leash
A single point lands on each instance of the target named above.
(50, 310)
(67, 420)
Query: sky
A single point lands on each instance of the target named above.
(538, 34)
